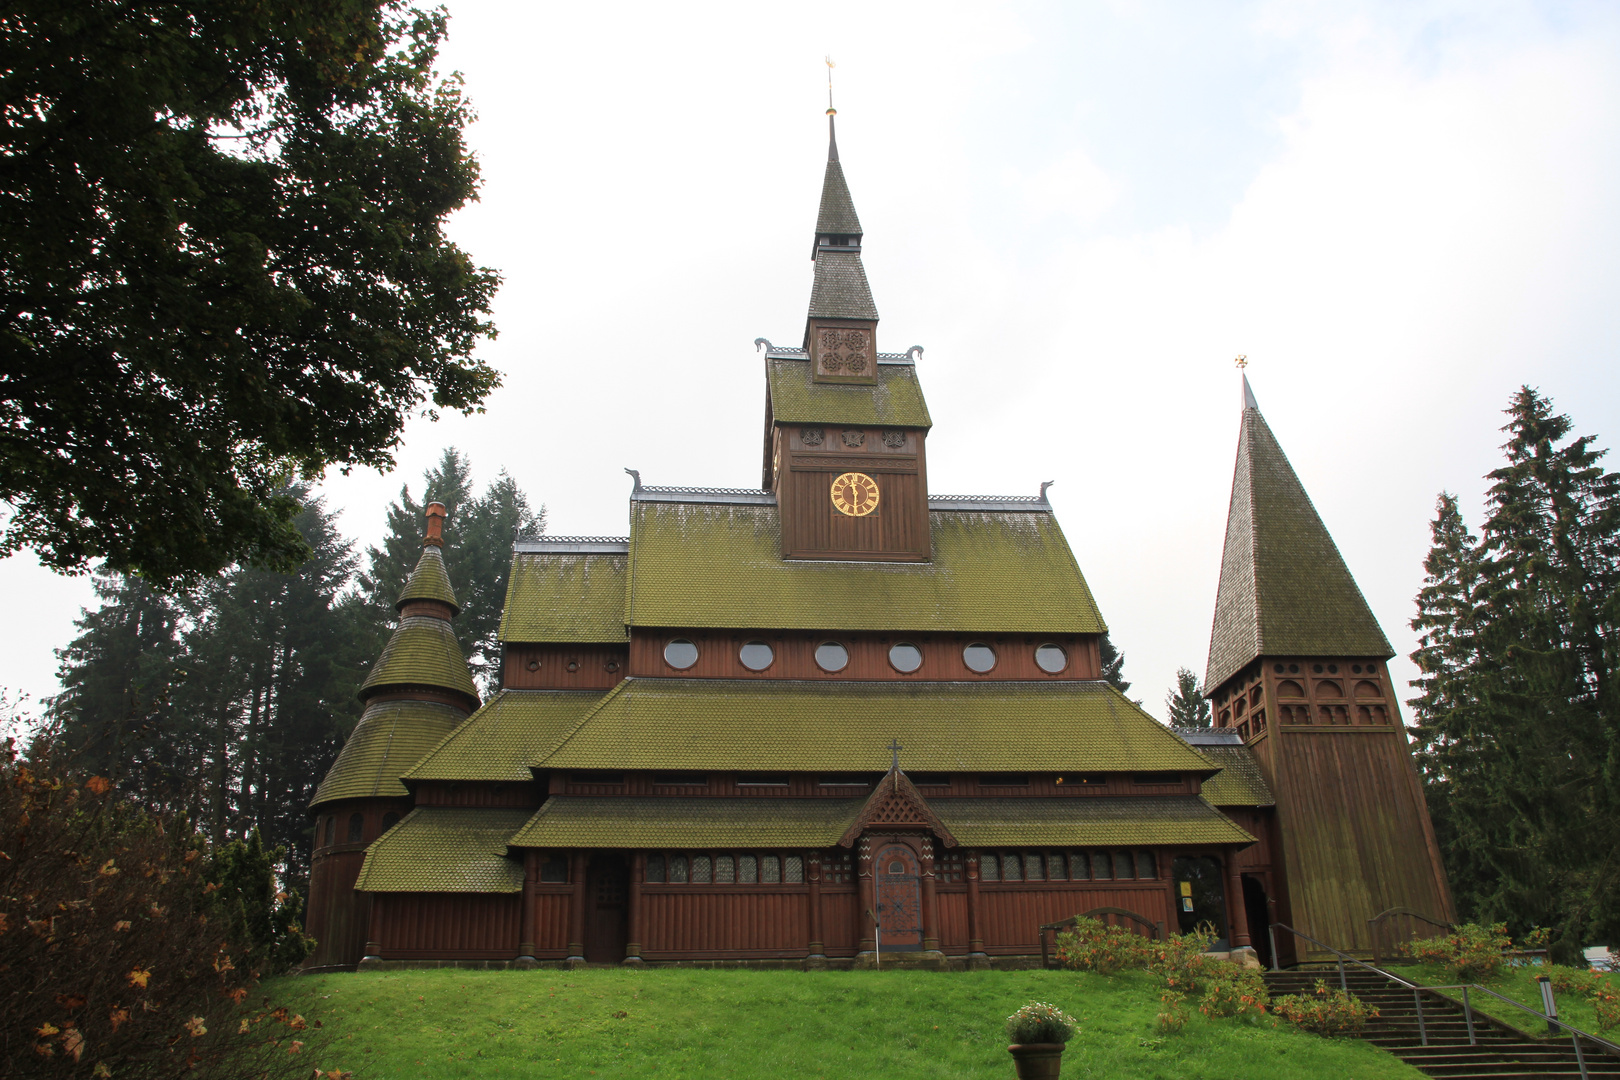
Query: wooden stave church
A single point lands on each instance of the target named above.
(835, 806)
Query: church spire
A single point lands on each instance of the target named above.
(1285, 589)
(841, 328)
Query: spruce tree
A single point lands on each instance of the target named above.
(1186, 704)
(1517, 715)
(116, 707)
(1113, 664)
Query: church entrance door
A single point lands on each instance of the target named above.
(607, 909)
(899, 899)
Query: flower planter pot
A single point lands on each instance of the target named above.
(1037, 1061)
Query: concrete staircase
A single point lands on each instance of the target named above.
(1498, 1052)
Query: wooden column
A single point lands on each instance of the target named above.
(638, 874)
(1236, 915)
(975, 934)
(531, 877)
(818, 944)
(930, 899)
(863, 875)
(373, 950)
(1167, 865)
(576, 908)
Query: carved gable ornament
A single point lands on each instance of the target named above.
(896, 803)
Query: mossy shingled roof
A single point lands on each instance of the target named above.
(446, 849)
(498, 741)
(694, 564)
(840, 289)
(1240, 782)
(566, 597)
(1082, 821)
(1284, 589)
(390, 737)
(896, 400)
(793, 725)
(630, 822)
(429, 581)
(422, 652)
(836, 214)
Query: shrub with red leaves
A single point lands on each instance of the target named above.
(119, 957)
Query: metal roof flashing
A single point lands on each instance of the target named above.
(573, 545)
(783, 352)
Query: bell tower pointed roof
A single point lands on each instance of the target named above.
(1285, 589)
(840, 290)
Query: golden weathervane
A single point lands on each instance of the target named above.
(1242, 361)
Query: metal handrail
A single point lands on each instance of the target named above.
(1575, 1033)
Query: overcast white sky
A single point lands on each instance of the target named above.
(1399, 212)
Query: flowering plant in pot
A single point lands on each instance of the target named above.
(1037, 1033)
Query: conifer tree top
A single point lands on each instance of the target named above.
(1285, 589)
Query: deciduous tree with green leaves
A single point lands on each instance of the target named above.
(222, 267)
(1518, 715)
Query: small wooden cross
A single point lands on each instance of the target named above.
(894, 745)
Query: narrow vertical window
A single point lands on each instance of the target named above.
(700, 870)
(748, 870)
(1079, 866)
(655, 868)
(793, 869)
(725, 870)
(770, 870)
(989, 868)
(1034, 867)
(677, 869)
(1147, 867)
(1101, 870)
(1122, 866)
(1011, 870)
(357, 828)
(1055, 869)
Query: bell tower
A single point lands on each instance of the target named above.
(845, 425)
(1297, 666)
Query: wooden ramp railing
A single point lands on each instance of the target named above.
(1394, 928)
(1112, 916)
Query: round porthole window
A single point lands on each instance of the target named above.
(680, 654)
(756, 656)
(905, 657)
(979, 657)
(1051, 658)
(831, 656)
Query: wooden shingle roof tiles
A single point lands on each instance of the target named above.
(446, 849)
(1284, 588)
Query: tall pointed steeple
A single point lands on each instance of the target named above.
(1285, 589)
(841, 328)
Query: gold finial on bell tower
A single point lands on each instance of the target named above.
(830, 65)
(1242, 361)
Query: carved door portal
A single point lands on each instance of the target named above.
(899, 899)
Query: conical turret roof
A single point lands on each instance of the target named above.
(1285, 589)
(840, 290)
(837, 216)
(429, 581)
(423, 653)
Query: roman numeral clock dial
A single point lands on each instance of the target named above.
(854, 494)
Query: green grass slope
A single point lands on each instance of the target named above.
(781, 1024)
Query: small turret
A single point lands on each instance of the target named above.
(418, 691)
(841, 328)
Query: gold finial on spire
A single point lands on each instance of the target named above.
(1242, 361)
(830, 65)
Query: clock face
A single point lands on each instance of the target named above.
(855, 494)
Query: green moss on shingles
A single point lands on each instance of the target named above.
(446, 849)
(429, 581)
(422, 652)
(390, 737)
(804, 726)
(565, 597)
(895, 401)
(711, 565)
(498, 741)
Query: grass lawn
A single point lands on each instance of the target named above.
(1519, 984)
(755, 1024)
